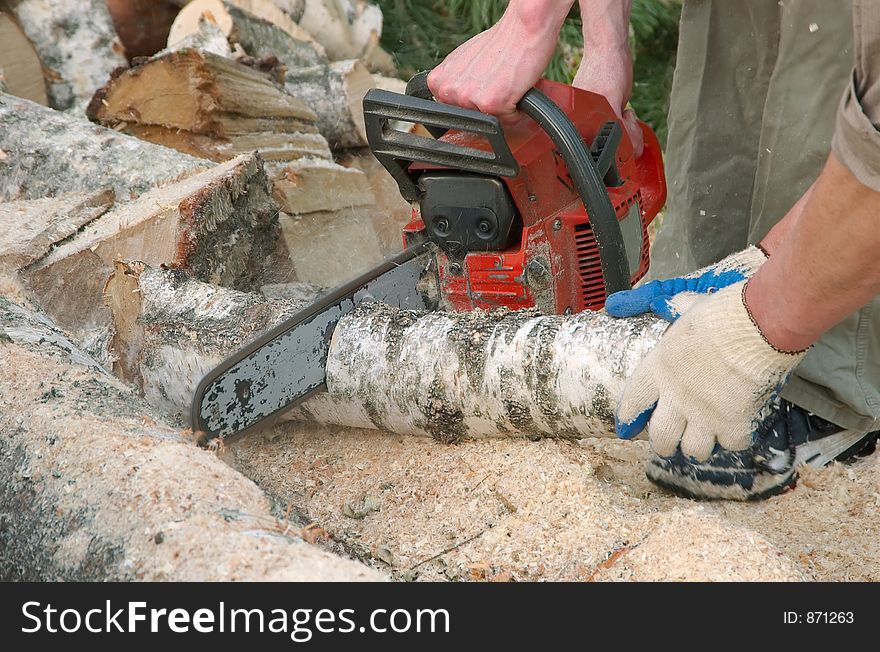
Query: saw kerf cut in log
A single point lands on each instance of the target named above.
(450, 376)
(171, 330)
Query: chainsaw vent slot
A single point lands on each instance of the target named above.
(589, 267)
(589, 264)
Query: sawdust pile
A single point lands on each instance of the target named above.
(556, 510)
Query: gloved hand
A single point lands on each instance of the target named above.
(706, 381)
(670, 298)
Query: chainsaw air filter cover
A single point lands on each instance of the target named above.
(467, 212)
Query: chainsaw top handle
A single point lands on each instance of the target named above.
(395, 150)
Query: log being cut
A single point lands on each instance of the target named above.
(48, 153)
(451, 376)
(457, 376)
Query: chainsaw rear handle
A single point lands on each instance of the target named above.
(396, 150)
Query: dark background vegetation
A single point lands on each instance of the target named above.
(420, 33)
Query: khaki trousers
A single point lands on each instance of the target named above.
(756, 89)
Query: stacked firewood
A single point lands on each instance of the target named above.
(225, 138)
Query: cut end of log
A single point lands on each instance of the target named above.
(20, 66)
(209, 106)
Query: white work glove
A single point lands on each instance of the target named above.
(669, 298)
(706, 382)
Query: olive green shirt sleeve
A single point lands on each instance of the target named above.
(856, 141)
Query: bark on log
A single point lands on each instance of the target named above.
(444, 375)
(334, 91)
(219, 226)
(49, 153)
(208, 106)
(76, 42)
(260, 28)
(30, 229)
(346, 28)
(92, 488)
(470, 375)
(170, 330)
(19, 63)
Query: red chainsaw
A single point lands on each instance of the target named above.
(551, 213)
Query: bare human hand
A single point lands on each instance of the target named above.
(493, 70)
(608, 72)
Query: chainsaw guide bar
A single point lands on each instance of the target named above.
(286, 365)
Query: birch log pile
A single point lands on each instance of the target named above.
(47, 153)
(451, 376)
(219, 226)
(77, 44)
(334, 90)
(259, 29)
(95, 487)
(208, 106)
(19, 62)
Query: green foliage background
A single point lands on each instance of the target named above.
(420, 33)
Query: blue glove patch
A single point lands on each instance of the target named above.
(628, 430)
(655, 295)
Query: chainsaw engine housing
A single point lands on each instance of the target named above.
(526, 239)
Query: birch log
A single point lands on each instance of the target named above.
(210, 106)
(449, 376)
(95, 487)
(346, 28)
(333, 90)
(48, 153)
(30, 229)
(170, 330)
(219, 226)
(458, 376)
(259, 28)
(77, 43)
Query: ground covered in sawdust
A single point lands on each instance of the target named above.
(554, 510)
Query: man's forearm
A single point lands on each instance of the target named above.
(540, 15)
(826, 268)
(605, 24)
